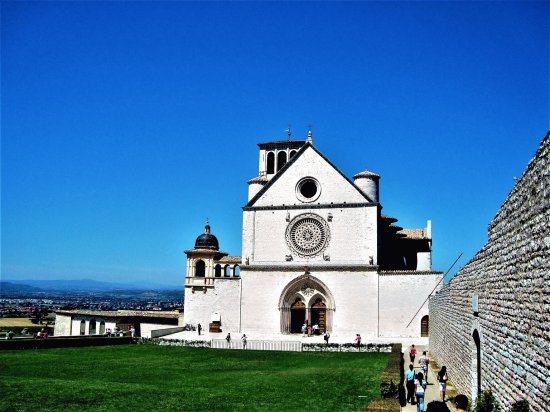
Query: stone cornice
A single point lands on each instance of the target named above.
(310, 206)
(308, 268)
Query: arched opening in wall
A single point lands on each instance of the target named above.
(92, 327)
(237, 271)
(227, 271)
(476, 360)
(425, 326)
(82, 327)
(306, 299)
(200, 269)
(281, 160)
(297, 315)
(270, 163)
(218, 271)
(319, 314)
(291, 155)
(102, 328)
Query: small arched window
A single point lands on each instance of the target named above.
(237, 271)
(200, 268)
(270, 163)
(83, 327)
(218, 271)
(292, 153)
(281, 160)
(227, 271)
(91, 327)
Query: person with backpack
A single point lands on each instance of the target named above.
(423, 361)
(419, 390)
(409, 382)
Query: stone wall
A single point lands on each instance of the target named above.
(510, 276)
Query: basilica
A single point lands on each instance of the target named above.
(316, 250)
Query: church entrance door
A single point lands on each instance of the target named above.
(319, 315)
(297, 316)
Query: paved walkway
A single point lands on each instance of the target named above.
(432, 390)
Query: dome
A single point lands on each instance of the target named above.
(207, 240)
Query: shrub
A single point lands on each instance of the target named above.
(520, 406)
(391, 378)
(486, 402)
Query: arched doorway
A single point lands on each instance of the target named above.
(297, 315)
(476, 360)
(83, 327)
(102, 328)
(319, 314)
(92, 328)
(306, 299)
(425, 326)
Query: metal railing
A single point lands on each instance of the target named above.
(287, 346)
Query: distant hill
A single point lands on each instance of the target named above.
(9, 287)
(84, 285)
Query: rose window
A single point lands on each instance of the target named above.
(307, 235)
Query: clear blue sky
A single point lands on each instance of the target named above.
(126, 124)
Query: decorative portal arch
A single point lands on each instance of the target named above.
(227, 271)
(200, 268)
(236, 271)
(92, 327)
(317, 301)
(102, 328)
(425, 326)
(82, 327)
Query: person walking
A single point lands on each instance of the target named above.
(228, 339)
(442, 379)
(357, 340)
(412, 353)
(424, 363)
(244, 338)
(326, 337)
(419, 390)
(409, 376)
(199, 328)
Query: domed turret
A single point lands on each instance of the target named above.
(367, 181)
(207, 240)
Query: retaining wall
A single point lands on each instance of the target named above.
(510, 276)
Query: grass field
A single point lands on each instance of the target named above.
(164, 378)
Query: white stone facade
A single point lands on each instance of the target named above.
(315, 249)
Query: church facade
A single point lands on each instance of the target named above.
(316, 249)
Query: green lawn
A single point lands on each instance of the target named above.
(164, 378)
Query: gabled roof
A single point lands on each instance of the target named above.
(289, 164)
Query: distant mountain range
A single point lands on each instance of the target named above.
(83, 285)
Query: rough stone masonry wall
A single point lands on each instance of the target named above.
(511, 276)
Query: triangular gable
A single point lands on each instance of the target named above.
(358, 194)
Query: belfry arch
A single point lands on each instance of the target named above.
(306, 299)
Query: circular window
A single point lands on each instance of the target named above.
(307, 235)
(308, 189)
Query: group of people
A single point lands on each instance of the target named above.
(244, 340)
(416, 385)
(310, 330)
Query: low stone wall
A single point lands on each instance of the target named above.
(510, 276)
